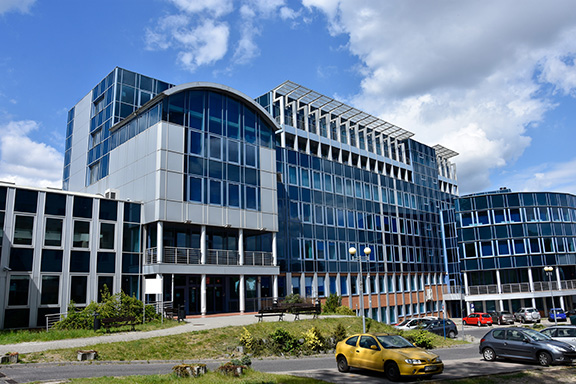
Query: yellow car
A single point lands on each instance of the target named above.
(391, 354)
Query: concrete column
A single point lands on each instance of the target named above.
(531, 283)
(242, 293)
(160, 240)
(203, 294)
(203, 249)
(274, 250)
(498, 283)
(241, 246)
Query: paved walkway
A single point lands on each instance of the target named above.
(191, 324)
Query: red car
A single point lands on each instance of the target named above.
(478, 318)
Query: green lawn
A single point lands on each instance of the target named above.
(213, 343)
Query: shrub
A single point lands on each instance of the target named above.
(252, 344)
(117, 305)
(293, 298)
(345, 311)
(339, 333)
(313, 340)
(332, 303)
(283, 342)
(421, 338)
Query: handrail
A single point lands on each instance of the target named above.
(193, 256)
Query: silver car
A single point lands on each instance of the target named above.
(565, 333)
(527, 315)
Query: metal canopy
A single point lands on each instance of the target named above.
(329, 105)
(444, 152)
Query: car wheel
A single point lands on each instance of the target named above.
(544, 359)
(479, 324)
(463, 322)
(452, 334)
(342, 364)
(391, 371)
(489, 354)
(499, 322)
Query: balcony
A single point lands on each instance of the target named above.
(539, 286)
(193, 256)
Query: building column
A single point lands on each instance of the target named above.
(203, 294)
(240, 246)
(274, 263)
(203, 245)
(242, 293)
(160, 240)
(531, 283)
(498, 282)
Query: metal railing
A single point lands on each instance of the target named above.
(539, 286)
(53, 318)
(193, 256)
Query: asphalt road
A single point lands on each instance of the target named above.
(459, 362)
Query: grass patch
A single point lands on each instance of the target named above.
(250, 377)
(23, 336)
(212, 344)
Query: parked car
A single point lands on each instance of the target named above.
(565, 333)
(477, 318)
(557, 314)
(442, 327)
(418, 322)
(391, 354)
(502, 317)
(527, 315)
(525, 344)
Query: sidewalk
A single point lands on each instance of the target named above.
(191, 325)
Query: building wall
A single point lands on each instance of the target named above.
(505, 241)
(57, 247)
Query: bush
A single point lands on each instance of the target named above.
(117, 305)
(293, 298)
(345, 311)
(313, 341)
(339, 333)
(252, 344)
(420, 338)
(283, 342)
(332, 303)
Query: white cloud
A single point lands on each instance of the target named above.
(216, 8)
(27, 162)
(550, 177)
(22, 6)
(461, 74)
(201, 31)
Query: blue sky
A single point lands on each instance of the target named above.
(493, 80)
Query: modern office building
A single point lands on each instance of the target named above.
(57, 247)
(244, 200)
(506, 240)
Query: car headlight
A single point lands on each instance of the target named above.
(415, 361)
(558, 348)
(437, 360)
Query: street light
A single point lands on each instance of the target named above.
(549, 270)
(367, 252)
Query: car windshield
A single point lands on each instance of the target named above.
(530, 310)
(402, 323)
(557, 310)
(394, 341)
(535, 335)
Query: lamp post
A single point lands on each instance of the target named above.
(549, 270)
(367, 252)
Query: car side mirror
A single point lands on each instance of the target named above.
(374, 347)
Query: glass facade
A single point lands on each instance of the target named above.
(506, 239)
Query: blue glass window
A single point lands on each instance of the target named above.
(487, 248)
(234, 173)
(215, 192)
(534, 246)
(351, 219)
(251, 156)
(306, 213)
(340, 218)
(308, 250)
(358, 189)
(503, 248)
(305, 177)
(292, 175)
(332, 252)
(329, 216)
(338, 185)
(320, 255)
(195, 189)
(251, 198)
(233, 151)
(348, 187)
(317, 180)
(515, 215)
(327, 183)
(234, 195)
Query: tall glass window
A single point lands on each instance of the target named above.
(81, 237)
(23, 230)
(53, 234)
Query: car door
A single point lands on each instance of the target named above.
(516, 345)
(368, 353)
(473, 319)
(566, 334)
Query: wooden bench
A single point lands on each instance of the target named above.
(171, 313)
(305, 309)
(271, 311)
(110, 322)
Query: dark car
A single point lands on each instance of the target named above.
(442, 327)
(557, 314)
(525, 344)
(502, 317)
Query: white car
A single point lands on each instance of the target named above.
(565, 333)
(414, 323)
(527, 315)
